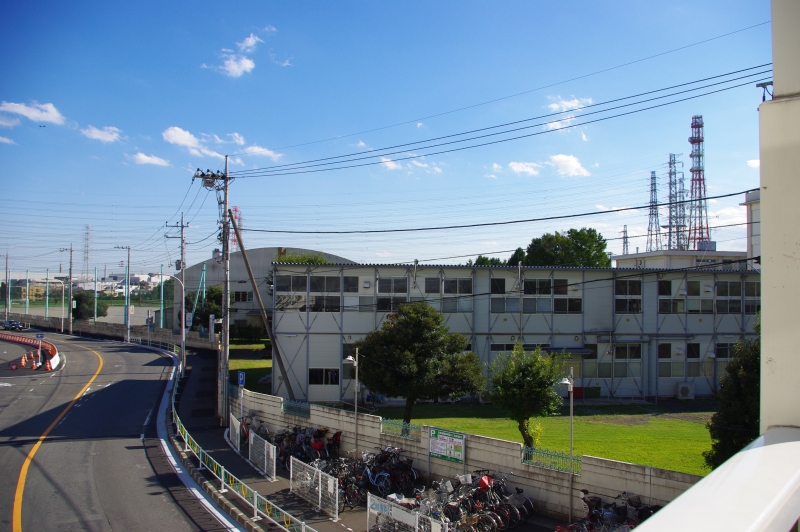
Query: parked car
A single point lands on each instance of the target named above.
(12, 325)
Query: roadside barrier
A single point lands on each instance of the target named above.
(48, 350)
(262, 507)
(236, 438)
(314, 486)
(386, 515)
(262, 454)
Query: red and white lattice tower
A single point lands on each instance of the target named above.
(698, 204)
(237, 215)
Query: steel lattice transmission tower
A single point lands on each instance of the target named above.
(653, 225)
(676, 228)
(87, 252)
(625, 248)
(698, 205)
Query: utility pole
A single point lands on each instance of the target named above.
(8, 289)
(161, 307)
(127, 294)
(69, 307)
(182, 307)
(219, 182)
(95, 295)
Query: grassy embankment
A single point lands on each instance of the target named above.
(249, 357)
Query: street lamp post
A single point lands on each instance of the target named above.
(569, 382)
(354, 361)
(127, 294)
(183, 322)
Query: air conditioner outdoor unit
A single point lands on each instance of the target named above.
(684, 390)
(708, 288)
(679, 351)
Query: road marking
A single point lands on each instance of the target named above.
(16, 519)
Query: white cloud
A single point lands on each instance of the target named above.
(525, 168)
(181, 137)
(284, 63)
(602, 207)
(236, 65)
(361, 144)
(437, 170)
(37, 112)
(390, 164)
(497, 167)
(105, 135)
(420, 124)
(255, 149)
(141, 158)
(567, 165)
(421, 165)
(6, 140)
(6, 121)
(560, 105)
(248, 44)
(237, 138)
(491, 176)
(560, 124)
(583, 136)
(754, 163)
(383, 254)
(270, 28)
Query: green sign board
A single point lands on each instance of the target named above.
(447, 445)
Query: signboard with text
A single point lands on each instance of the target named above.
(447, 445)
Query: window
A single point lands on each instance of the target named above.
(729, 289)
(457, 304)
(394, 285)
(628, 351)
(628, 305)
(498, 305)
(623, 287)
(665, 288)
(290, 303)
(317, 283)
(752, 289)
(592, 354)
(752, 294)
(457, 286)
(529, 305)
(431, 285)
(389, 304)
(348, 350)
(700, 306)
(323, 376)
(670, 369)
(351, 284)
(242, 297)
(510, 347)
(560, 287)
(563, 305)
(512, 305)
(365, 303)
(498, 286)
(326, 304)
(664, 350)
(693, 288)
(283, 283)
(627, 360)
(332, 283)
(299, 283)
(671, 306)
(724, 350)
(700, 369)
(692, 351)
(537, 286)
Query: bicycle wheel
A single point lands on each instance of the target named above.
(513, 515)
(342, 500)
(502, 514)
(486, 524)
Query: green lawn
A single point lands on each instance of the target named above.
(642, 434)
(254, 369)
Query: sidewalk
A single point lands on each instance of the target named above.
(196, 409)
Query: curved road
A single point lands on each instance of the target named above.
(100, 466)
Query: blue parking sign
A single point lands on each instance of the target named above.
(40, 336)
(241, 378)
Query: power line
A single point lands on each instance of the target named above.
(583, 76)
(376, 151)
(484, 224)
(418, 156)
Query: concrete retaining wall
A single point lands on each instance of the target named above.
(549, 489)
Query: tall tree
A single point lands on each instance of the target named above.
(212, 304)
(84, 306)
(736, 421)
(577, 247)
(517, 257)
(487, 261)
(522, 384)
(414, 355)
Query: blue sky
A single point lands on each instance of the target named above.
(135, 97)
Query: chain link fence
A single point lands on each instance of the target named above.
(262, 454)
(548, 459)
(386, 515)
(314, 486)
(233, 434)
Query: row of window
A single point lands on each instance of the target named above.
(536, 305)
(242, 297)
(315, 283)
(708, 306)
(633, 287)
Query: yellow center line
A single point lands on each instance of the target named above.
(23, 474)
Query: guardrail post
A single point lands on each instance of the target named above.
(256, 517)
(319, 492)
(200, 459)
(222, 479)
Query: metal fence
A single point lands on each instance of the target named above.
(233, 433)
(548, 459)
(386, 515)
(172, 348)
(396, 427)
(262, 507)
(262, 454)
(314, 486)
(296, 408)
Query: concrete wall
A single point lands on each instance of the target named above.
(549, 489)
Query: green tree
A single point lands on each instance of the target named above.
(517, 257)
(736, 421)
(84, 306)
(522, 384)
(302, 258)
(487, 261)
(414, 355)
(212, 304)
(577, 247)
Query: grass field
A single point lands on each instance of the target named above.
(668, 437)
(254, 369)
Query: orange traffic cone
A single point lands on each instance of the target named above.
(30, 355)
(47, 366)
(23, 361)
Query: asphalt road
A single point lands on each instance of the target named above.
(94, 470)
